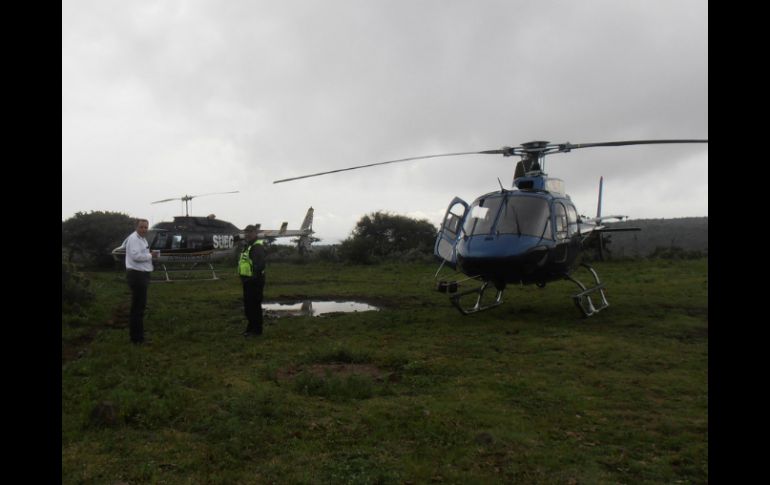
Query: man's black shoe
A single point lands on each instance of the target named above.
(250, 334)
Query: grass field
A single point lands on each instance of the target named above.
(529, 392)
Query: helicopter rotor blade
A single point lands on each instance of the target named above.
(213, 193)
(165, 200)
(565, 147)
(526, 149)
(190, 197)
(499, 151)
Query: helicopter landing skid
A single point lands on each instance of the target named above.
(583, 299)
(455, 299)
(192, 269)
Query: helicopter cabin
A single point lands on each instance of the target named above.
(526, 235)
(518, 212)
(188, 233)
(500, 228)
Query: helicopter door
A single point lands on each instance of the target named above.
(450, 231)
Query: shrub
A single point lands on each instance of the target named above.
(75, 291)
(91, 237)
(381, 236)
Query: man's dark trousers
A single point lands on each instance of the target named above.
(252, 303)
(138, 281)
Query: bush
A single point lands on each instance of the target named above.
(382, 236)
(75, 291)
(89, 238)
(328, 254)
(358, 251)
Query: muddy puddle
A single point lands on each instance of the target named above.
(313, 308)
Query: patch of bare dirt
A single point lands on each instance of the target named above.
(336, 370)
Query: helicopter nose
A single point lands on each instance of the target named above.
(510, 257)
(501, 246)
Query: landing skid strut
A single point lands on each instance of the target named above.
(190, 270)
(583, 299)
(477, 307)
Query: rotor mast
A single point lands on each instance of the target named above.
(186, 199)
(532, 159)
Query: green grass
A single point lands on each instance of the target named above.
(529, 392)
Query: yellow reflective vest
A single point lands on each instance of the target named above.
(245, 265)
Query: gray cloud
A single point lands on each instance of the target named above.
(162, 99)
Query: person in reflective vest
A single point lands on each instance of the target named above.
(251, 269)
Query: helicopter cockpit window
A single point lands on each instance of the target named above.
(528, 216)
(560, 214)
(161, 241)
(482, 216)
(151, 236)
(177, 241)
(451, 224)
(195, 241)
(453, 218)
(572, 224)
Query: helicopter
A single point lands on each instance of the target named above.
(202, 240)
(531, 233)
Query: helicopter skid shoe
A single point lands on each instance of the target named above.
(583, 299)
(477, 307)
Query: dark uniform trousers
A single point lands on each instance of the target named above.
(253, 289)
(138, 281)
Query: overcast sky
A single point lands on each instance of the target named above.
(166, 98)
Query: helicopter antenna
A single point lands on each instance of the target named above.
(532, 155)
(502, 189)
(187, 198)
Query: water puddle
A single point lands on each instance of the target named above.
(310, 308)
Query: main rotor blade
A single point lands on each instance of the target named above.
(571, 146)
(389, 161)
(507, 151)
(214, 193)
(189, 197)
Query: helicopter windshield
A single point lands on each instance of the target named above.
(519, 214)
(525, 215)
(482, 216)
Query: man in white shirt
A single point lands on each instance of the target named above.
(138, 269)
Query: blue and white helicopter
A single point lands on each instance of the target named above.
(529, 234)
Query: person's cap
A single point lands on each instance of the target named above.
(250, 228)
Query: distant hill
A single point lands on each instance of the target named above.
(688, 233)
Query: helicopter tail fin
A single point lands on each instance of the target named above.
(304, 242)
(599, 203)
(308, 222)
